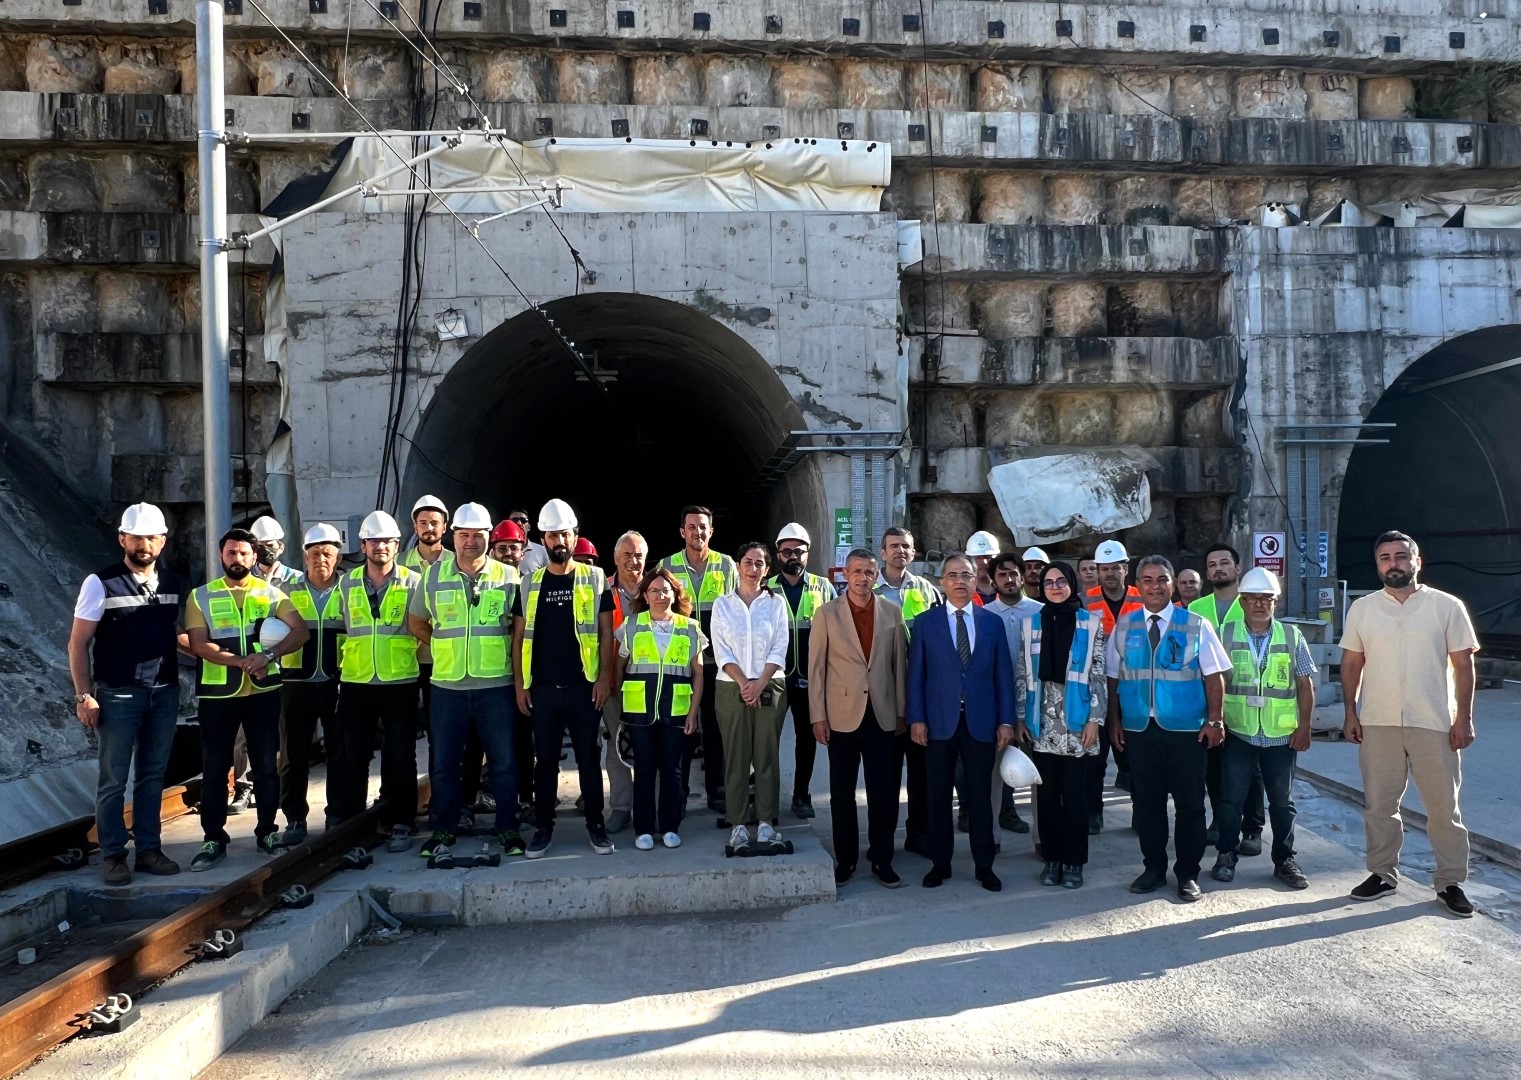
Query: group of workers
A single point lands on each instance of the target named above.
(507, 646)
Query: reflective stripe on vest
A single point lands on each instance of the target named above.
(1077, 703)
(655, 678)
(917, 599)
(586, 590)
(377, 646)
(816, 593)
(471, 621)
(1100, 607)
(1205, 608)
(1167, 681)
(235, 630)
(1274, 683)
(715, 579)
(320, 653)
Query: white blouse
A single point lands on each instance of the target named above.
(750, 635)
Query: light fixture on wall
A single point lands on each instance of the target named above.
(451, 325)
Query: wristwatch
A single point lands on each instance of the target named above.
(1214, 723)
(80, 698)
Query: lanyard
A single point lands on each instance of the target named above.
(1261, 654)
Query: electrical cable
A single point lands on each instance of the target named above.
(243, 378)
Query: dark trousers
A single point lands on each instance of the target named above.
(806, 746)
(1253, 809)
(473, 761)
(1098, 767)
(258, 716)
(391, 708)
(659, 750)
(876, 751)
(136, 723)
(712, 741)
(1245, 766)
(303, 707)
(424, 711)
(527, 770)
(557, 710)
(976, 757)
(454, 714)
(1061, 807)
(916, 818)
(1164, 763)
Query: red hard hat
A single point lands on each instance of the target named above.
(585, 547)
(507, 530)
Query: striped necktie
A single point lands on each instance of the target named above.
(963, 641)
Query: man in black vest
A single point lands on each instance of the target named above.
(126, 686)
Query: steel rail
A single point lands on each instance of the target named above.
(40, 1019)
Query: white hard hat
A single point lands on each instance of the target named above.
(322, 533)
(143, 519)
(472, 516)
(272, 631)
(793, 531)
(557, 516)
(429, 502)
(1034, 554)
(1016, 768)
(379, 525)
(266, 529)
(982, 543)
(1260, 580)
(1111, 551)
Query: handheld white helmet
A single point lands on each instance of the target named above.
(1017, 769)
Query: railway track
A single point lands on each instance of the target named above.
(42, 1018)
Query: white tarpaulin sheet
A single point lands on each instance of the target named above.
(1053, 497)
(628, 176)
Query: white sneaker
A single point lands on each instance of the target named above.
(670, 839)
(644, 842)
(739, 838)
(765, 834)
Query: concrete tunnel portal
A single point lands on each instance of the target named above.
(691, 413)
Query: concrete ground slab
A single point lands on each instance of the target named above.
(1254, 981)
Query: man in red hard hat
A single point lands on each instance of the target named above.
(508, 542)
(586, 552)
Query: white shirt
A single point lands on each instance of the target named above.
(1014, 617)
(1212, 655)
(91, 605)
(971, 623)
(1408, 680)
(750, 635)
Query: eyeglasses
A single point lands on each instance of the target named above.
(792, 551)
(518, 520)
(1058, 585)
(960, 577)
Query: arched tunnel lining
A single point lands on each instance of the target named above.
(693, 414)
(1450, 476)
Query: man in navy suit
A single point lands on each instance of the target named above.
(960, 705)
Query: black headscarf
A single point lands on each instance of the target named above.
(1058, 623)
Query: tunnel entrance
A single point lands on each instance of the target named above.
(691, 414)
(1450, 476)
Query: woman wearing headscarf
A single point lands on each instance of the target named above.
(1061, 698)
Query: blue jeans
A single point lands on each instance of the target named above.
(134, 721)
(1239, 765)
(451, 716)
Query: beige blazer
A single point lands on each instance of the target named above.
(841, 679)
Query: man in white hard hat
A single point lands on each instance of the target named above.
(1035, 561)
(562, 633)
(378, 672)
(1269, 703)
(122, 659)
(309, 694)
(271, 545)
(1222, 605)
(1112, 599)
(805, 594)
(237, 683)
(464, 610)
(915, 595)
(983, 546)
(429, 522)
(705, 575)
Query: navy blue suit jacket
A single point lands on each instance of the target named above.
(937, 685)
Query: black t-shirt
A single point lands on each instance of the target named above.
(797, 648)
(556, 655)
(1115, 605)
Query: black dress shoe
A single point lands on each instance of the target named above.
(1149, 881)
(1189, 891)
(937, 877)
(1009, 819)
(842, 874)
(1095, 823)
(886, 875)
(916, 845)
(989, 881)
(1051, 874)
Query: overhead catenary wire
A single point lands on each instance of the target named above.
(420, 181)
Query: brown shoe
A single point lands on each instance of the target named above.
(117, 872)
(156, 862)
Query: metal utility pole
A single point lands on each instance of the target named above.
(215, 372)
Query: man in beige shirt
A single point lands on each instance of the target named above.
(857, 660)
(1407, 678)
